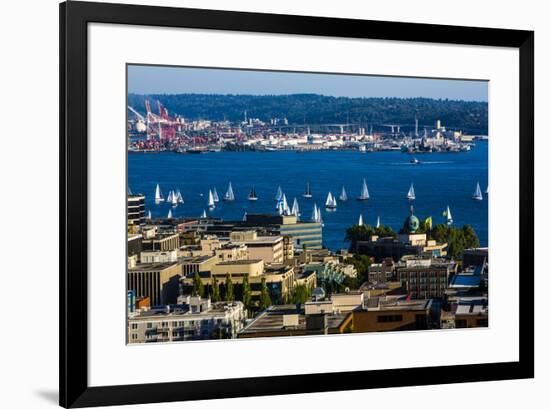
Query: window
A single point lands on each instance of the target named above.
(134, 326)
(149, 325)
(390, 318)
(460, 323)
(134, 336)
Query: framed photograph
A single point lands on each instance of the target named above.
(256, 204)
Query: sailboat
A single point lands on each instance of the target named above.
(477, 194)
(487, 190)
(211, 205)
(244, 217)
(279, 194)
(229, 195)
(169, 214)
(215, 195)
(331, 202)
(314, 213)
(252, 195)
(179, 197)
(170, 197)
(295, 209)
(410, 193)
(449, 217)
(130, 191)
(378, 222)
(173, 198)
(364, 191)
(343, 195)
(203, 215)
(307, 194)
(149, 216)
(158, 195)
(360, 222)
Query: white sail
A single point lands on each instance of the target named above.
(360, 222)
(174, 198)
(410, 193)
(307, 194)
(487, 190)
(130, 191)
(364, 191)
(203, 215)
(244, 217)
(329, 200)
(314, 213)
(211, 204)
(319, 217)
(169, 199)
(158, 194)
(179, 197)
(295, 208)
(286, 209)
(378, 222)
(449, 217)
(215, 195)
(149, 216)
(229, 195)
(343, 195)
(477, 194)
(279, 194)
(170, 213)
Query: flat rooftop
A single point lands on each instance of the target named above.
(272, 320)
(152, 266)
(239, 262)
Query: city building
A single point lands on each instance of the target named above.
(472, 312)
(393, 314)
(158, 281)
(136, 210)
(382, 272)
(475, 257)
(266, 248)
(409, 242)
(161, 241)
(425, 278)
(290, 320)
(158, 256)
(193, 319)
(303, 234)
(197, 264)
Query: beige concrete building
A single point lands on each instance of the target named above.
(159, 281)
(266, 248)
(197, 264)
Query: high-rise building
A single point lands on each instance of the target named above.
(136, 210)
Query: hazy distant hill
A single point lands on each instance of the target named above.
(314, 109)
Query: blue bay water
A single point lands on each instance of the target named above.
(441, 179)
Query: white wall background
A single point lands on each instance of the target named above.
(29, 158)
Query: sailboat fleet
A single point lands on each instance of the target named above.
(175, 198)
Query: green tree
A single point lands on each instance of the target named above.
(365, 232)
(198, 286)
(361, 264)
(265, 299)
(215, 290)
(247, 292)
(300, 293)
(229, 290)
(457, 238)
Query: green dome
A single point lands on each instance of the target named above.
(412, 222)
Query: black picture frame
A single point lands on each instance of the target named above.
(73, 380)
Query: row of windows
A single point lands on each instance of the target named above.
(390, 318)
